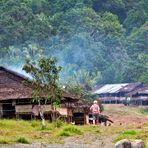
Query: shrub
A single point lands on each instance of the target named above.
(143, 111)
(4, 141)
(58, 123)
(73, 130)
(65, 134)
(35, 123)
(70, 131)
(22, 140)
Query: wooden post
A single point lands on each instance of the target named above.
(17, 116)
(1, 111)
(87, 118)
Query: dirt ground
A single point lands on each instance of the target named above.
(121, 115)
(125, 115)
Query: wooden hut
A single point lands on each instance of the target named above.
(16, 99)
(139, 96)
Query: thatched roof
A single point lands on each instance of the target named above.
(12, 86)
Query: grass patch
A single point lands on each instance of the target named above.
(70, 131)
(73, 130)
(31, 131)
(130, 134)
(35, 123)
(4, 140)
(22, 140)
(65, 134)
(58, 123)
(143, 111)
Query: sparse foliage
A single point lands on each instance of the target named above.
(44, 75)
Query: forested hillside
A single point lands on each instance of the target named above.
(104, 41)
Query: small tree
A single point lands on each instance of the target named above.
(44, 75)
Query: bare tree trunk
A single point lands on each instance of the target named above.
(53, 113)
(41, 112)
(53, 116)
(43, 119)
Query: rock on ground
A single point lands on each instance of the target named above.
(125, 143)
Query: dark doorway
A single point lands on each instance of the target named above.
(78, 118)
(8, 110)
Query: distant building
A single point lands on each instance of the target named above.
(122, 93)
(139, 96)
(16, 99)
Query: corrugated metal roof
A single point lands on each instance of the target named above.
(143, 90)
(115, 88)
(110, 88)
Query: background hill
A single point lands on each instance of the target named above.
(104, 40)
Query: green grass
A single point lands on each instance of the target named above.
(19, 131)
(22, 140)
(4, 140)
(143, 111)
(70, 131)
(65, 134)
(35, 123)
(129, 134)
(58, 123)
(132, 134)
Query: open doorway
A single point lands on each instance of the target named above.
(8, 110)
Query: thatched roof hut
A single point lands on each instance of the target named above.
(12, 86)
(14, 92)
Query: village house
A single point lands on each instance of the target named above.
(139, 96)
(123, 93)
(16, 99)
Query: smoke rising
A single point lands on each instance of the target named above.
(78, 52)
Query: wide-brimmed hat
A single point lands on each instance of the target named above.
(95, 102)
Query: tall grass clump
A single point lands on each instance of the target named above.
(4, 140)
(58, 123)
(70, 131)
(7, 123)
(35, 123)
(143, 111)
(22, 140)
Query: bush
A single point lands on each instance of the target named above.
(143, 111)
(70, 131)
(58, 123)
(73, 130)
(4, 141)
(35, 123)
(65, 134)
(22, 140)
